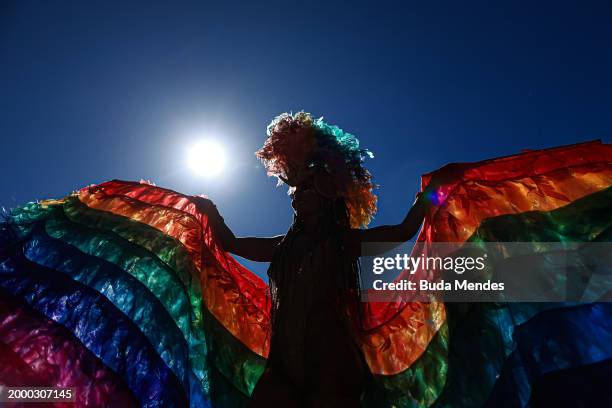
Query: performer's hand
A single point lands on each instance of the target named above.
(206, 206)
(446, 174)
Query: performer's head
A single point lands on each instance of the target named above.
(322, 165)
(314, 200)
(305, 200)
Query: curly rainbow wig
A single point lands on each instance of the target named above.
(298, 145)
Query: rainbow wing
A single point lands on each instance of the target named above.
(121, 291)
(482, 353)
(128, 276)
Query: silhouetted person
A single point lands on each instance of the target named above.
(315, 359)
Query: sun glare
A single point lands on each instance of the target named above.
(206, 158)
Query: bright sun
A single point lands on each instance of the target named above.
(206, 158)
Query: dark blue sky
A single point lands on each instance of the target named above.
(91, 91)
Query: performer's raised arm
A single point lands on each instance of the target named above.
(413, 220)
(259, 249)
(401, 232)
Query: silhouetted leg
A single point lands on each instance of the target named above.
(273, 390)
(335, 365)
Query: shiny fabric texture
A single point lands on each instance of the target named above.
(543, 180)
(99, 326)
(121, 289)
(35, 349)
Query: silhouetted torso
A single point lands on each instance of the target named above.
(312, 347)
